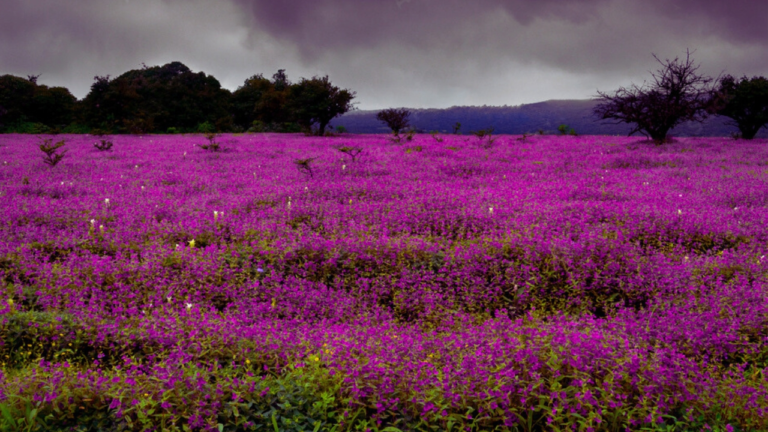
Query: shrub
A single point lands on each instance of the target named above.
(564, 129)
(52, 154)
(212, 144)
(395, 119)
(206, 127)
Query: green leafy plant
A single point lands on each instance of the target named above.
(212, 144)
(456, 128)
(341, 129)
(413, 149)
(485, 137)
(206, 127)
(52, 154)
(564, 129)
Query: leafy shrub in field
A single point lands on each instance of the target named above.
(52, 154)
(545, 285)
(206, 128)
(564, 129)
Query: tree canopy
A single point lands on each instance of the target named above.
(744, 101)
(317, 101)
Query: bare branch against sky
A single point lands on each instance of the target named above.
(415, 53)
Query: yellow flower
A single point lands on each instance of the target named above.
(192, 243)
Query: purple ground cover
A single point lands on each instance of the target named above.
(548, 283)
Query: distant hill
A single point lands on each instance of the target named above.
(546, 116)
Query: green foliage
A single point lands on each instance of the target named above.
(564, 129)
(744, 101)
(395, 119)
(15, 100)
(152, 99)
(52, 154)
(205, 128)
(456, 128)
(341, 129)
(75, 128)
(317, 101)
(28, 128)
(212, 144)
(485, 137)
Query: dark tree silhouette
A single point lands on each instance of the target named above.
(744, 101)
(246, 98)
(317, 101)
(677, 95)
(15, 99)
(396, 119)
(153, 99)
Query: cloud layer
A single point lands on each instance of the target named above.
(418, 53)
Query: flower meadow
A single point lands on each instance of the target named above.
(286, 283)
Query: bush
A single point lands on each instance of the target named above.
(206, 127)
(395, 119)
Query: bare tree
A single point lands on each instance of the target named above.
(677, 94)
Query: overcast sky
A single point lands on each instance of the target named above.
(393, 53)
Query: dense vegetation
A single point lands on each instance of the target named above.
(172, 99)
(451, 283)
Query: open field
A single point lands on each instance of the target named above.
(587, 283)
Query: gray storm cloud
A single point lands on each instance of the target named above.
(416, 53)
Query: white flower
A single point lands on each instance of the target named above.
(168, 298)
(490, 210)
(185, 153)
(215, 216)
(679, 211)
(93, 221)
(101, 228)
(343, 167)
(106, 201)
(189, 306)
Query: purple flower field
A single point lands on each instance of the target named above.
(586, 283)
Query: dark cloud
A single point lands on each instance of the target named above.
(417, 53)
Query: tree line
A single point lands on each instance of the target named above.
(172, 99)
(677, 94)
